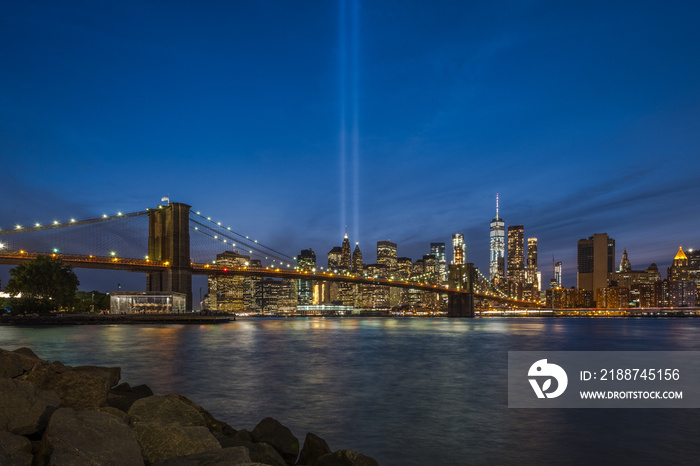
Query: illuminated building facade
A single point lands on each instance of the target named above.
(680, 267)
(387, 256)
(497, 250)
(459, 253)
(515, 271)
(305, 288)
(335, 255)
(345, 255)
(557, 274)
(532, 278)
(438, 250)
(357, 264)
(229, 293)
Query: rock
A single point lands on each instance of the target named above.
(123, 395)
(25, 409)
(114, 412)
(15, 450)
(160, 442)
(88, 437)
(345, 458)
(16, 363)
(259, 452)
(213, 424)
(314, 448)
(244, 435)
(81, 387)
(224, 457)
(270, 431)
(166, 410)
(26, 352)
(266, 454)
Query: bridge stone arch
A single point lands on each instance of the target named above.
(169, 241)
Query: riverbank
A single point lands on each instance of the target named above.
(58, 414)
(112, 319)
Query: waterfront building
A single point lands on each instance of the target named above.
(497, 249)
(459, 251)
(438, 250)
(682, 293)
(233, 293)
(376, 297)
(147, 302)
(274, 296)
(306, 261)
(596, 259)
(387, 255)
(694, 264)
(357, 264)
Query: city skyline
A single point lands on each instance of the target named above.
(582, 117)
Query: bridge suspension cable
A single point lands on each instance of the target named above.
(234, 239)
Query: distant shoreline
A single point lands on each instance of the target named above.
(106, 319)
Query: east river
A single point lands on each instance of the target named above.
(411, 391)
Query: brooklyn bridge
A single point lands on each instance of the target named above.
(172, 242)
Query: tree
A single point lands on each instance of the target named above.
(45, 282)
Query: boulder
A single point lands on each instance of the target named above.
(25, 409)
(314, 448)
(213, 424)
(123, 395)
(160, 442)
(81, 387)
(16, 363)
(266, 454)
(15, 450)
(270, 431)
(244, 435)
(345, 458)
(166, 410)
(26, 352)
(224, 457)
(259, 452)
(88, 437)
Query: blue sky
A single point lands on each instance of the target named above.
(584, 116)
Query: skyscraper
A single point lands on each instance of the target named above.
(458, 249)
(557, 273)
(345, 258)
(596, 262)
(438, 250)
(357, 264)
(531, 274)
(516, 254)
(387, 255)
(497, 237)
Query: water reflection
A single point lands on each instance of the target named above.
(406, 391)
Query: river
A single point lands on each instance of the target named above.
(411, 391)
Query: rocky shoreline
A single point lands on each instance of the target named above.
(52, 414)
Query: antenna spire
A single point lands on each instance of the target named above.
(497, 206)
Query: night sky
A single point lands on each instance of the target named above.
(400, 119)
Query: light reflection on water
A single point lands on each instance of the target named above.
(405, 391)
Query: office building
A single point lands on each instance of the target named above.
(515, 271)
(387, 256)
(596, 262)
(357, 264)
(497, 249)
(531, 271)
(438, 250)
(459, 252)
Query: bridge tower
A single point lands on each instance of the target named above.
(169, 241)
(461, 277)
